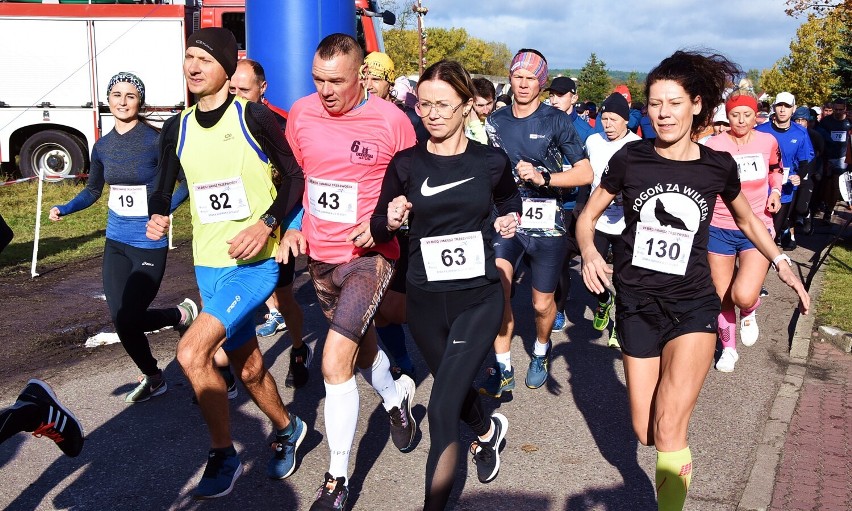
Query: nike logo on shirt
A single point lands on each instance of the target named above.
(428, 191)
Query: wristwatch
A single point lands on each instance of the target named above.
(546, 175)
(269, 220)
(779, 258)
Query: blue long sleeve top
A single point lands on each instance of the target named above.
(121, 159)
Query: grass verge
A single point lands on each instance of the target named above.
(77, 237)
(835, 301)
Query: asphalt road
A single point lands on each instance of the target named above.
(569, 446)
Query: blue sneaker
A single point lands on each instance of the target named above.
(283, 463)
(538, 370)
(274, 324)
(559, 322)
(223, 469)
(499, 380)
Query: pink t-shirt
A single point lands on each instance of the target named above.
(344, 158)
(759, 166)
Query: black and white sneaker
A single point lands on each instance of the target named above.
(486, 455)
(56, 422)
(403, 427)
(331, 495)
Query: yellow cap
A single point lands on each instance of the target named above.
(379, 65)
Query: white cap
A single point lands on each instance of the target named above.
(817, 109)
(719, 114)
(786, 98)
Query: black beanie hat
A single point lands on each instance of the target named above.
(617, 104)
(219, 43)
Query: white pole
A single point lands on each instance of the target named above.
(33, 273)
(171, 239)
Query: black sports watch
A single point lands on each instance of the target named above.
(546, 175)
(269, 220)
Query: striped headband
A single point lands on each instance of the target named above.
(130, 78)
(532, 63)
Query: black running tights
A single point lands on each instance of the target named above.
(454, 331)
(132, 278)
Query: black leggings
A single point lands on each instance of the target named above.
(454, 331)
(132, 278)
(6, 234)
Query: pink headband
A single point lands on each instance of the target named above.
(741, 100)
(532, 63)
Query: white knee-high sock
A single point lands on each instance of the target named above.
(379, 376)
(341, 419)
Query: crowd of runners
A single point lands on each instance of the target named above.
(418, 204)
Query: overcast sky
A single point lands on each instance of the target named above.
(627, 35)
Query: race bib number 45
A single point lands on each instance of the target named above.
(218, 201)
(539, 214)
(453, 257)
(128, 200)
(333, 201)
(662, 249)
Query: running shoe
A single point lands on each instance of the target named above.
(223, 469)
(486, 455)
(190, 312)
(233, 392)
(763, 292)
(789, 243)
(728, 360)
(808, 226)
(749, 331)
(499, 380)
(613, 339)
(537, 372)
(274, 323)
(601, 319)
(49, 419)
(297, 373)
(283, 463)
(559, 322)
(403, 427)
(331, 495)
(408, 370)
(148, 387)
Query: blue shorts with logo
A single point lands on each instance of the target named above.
(544, 254)
(728, 242)
(233, 294)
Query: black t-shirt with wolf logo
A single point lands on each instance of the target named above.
(668, 206)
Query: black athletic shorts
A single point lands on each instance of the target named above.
(645, 324)
(286, 272)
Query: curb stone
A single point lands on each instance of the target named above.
(836, 336)
(757, 495)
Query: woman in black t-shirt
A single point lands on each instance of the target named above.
(446, 188)
(667, 306)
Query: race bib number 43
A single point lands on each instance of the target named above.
(453, 257)
(662, 249)
(333, 201)
(218, 201)
(128, 200)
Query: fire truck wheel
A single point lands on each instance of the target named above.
(54, 155)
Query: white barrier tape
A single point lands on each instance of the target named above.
(49, 180)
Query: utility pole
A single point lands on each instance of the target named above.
(421, 11)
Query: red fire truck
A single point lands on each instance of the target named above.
(58, 58)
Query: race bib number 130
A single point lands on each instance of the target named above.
(662, 249)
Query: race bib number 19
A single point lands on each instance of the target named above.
(333, 201)
(128, 200)
(452, 257)
(662, 249)
(218, 201)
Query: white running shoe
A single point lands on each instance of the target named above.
(749, 332)
(728, 360)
